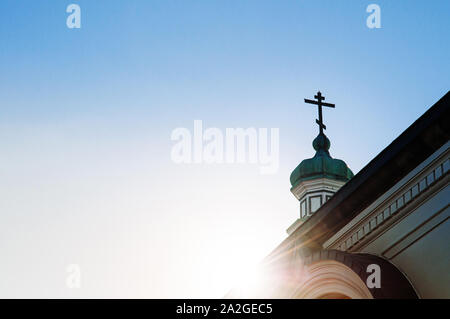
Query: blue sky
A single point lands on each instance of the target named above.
(86, 116)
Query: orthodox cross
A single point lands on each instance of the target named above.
(319, 103)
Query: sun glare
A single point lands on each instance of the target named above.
(242, 276)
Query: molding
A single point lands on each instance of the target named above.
(423, 200)
(420, 231)
(432, 174)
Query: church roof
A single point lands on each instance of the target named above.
(426, 135)
(322, 165)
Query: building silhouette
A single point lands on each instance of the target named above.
(383, 233)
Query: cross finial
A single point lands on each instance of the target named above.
(319, 103)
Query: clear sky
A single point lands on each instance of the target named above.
(86, 116)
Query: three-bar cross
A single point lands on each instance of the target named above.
(319, 103)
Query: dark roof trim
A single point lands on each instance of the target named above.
(426, 135)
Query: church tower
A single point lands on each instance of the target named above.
(316, 179)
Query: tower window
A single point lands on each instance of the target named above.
(315, 202)
(303, 208)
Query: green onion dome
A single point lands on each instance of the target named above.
(322, 165)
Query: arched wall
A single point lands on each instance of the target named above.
(337, 273)
(331, 279)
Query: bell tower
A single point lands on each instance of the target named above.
(316, 179)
